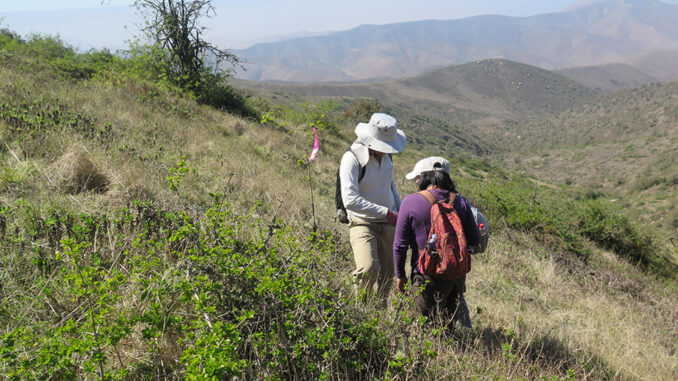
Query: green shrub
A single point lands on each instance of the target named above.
(7, 35)
(361, 110)
(614, 231)
(36, 119)
(220, 296)
(215, 92)
(568, 222)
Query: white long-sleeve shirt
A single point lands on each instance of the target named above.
(376, 194)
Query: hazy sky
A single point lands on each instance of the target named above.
(240, 23)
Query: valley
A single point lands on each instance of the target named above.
(528, 119)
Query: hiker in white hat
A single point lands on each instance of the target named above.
(371, 199)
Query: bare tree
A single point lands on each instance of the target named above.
(174, 25)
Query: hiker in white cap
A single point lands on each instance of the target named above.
(434, 296)
(372, 201)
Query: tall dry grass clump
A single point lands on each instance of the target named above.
(74, 172)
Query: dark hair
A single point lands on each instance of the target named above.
(439, 179)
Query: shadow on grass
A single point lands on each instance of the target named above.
(543, 352)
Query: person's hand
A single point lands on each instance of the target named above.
(400, 284)
(391, 218)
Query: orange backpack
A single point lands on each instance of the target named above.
(448, 257)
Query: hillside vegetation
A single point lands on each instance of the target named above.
(146, 236)
(454, 110)
(625, 143)
(609, 78)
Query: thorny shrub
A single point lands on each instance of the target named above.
(567, 223)
(146, 291)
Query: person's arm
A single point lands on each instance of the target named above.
(394, 189)
(401, 243)
(349, 172)
(396, 196)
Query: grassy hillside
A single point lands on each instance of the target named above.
(624, 143)
(451, 110)
(609, 78)
(145, 236)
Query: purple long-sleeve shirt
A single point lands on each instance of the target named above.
(414, 223)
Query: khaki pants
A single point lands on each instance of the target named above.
(372, 245)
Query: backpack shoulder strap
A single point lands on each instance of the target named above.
(429, 197)
(338, 202)
(451, 199)
(432, 199)
(363, 169)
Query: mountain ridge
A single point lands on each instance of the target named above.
(453, 107)
(610, 77)
(601, 33)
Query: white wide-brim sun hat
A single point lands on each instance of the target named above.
(381, 134)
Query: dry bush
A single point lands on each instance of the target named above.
(74, 172)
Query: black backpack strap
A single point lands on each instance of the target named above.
(338, 200)
(362, 173)
(363, 169)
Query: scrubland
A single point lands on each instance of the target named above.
(146, 236)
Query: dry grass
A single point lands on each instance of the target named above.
(74, 173)
(522, 288)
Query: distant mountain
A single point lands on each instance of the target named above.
(601, 32)
(662, 64)
(607, 78)
(456, 108)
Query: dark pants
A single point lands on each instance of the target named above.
(441, 300)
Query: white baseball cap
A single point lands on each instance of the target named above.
(431, 163)
(381, 134)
